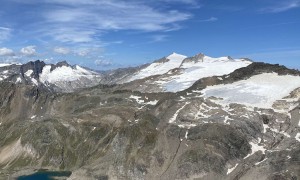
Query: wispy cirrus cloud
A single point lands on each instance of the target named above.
(103, 63)
(281, 6)
(159, 38)
(190, 2)
(229, 8)
(74, 21)
(211, 19)
(62, 50)
(5, 33)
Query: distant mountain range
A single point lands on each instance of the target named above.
(170, 74)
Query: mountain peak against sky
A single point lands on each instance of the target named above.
(176, 57)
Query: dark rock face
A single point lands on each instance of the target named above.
(162, 60)
(59, 64)
(197, 58)
(36, 67)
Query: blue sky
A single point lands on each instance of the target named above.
(105, 34)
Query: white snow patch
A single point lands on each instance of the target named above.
(297, 137)
(177, 112)
(260, 162)
(265, 126)
(18, 80)
(227, 119)
(153, 103)
(258, 91)
(137, 99)
(259, 140)
(32, 117)
(187, 125)
(231, 169)
(186, 134)
(255, 148)
(34, 81)
(29, 72)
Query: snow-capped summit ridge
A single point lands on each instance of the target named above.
(64, 73)
(176, 56)
(192, 69)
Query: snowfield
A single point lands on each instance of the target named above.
(193, 71)
(64, 73)
(258, 91)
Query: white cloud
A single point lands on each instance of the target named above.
(62, 50)
(282, 6)
(5, 33)
(159, 38)
(6, 52)
(103, 63)
(190, 2)
(28, 51)
(89, 52)
(83, 52)
(211, 19)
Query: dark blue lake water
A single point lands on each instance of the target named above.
(45, 175)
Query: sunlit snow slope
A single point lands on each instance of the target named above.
(173, 61)
(258, 91)
(178, 72)
(193, 71)
(64, 73)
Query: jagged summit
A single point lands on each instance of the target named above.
(176, 56)
(60, 76)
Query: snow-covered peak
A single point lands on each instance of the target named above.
(192, 69)
(176, 57)
(64, 73)
(160, 67)
(196, 69)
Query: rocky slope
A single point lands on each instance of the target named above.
(241, 125)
